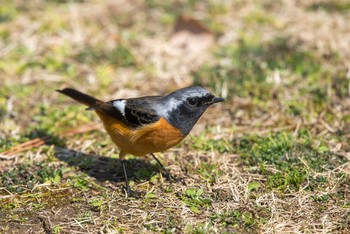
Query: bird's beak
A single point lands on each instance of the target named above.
(215, 100)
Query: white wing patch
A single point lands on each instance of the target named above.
(120, 105)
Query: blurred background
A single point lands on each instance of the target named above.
(283, 67)
(290, 58)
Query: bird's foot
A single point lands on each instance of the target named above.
(129, 193)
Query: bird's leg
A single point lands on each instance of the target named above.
(128, 190)
(168, 174)
(127, 186)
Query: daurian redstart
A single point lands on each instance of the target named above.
(150, 124)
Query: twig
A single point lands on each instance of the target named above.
(11, 153)
(82, 129)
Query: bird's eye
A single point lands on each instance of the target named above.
(192, 101)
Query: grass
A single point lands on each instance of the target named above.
(273, 158)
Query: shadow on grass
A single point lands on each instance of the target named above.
(100, 167)
(107, 168)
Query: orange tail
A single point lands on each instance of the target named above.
(79, 96)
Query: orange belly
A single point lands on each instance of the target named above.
(155, 137)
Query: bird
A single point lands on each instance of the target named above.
(149, 124)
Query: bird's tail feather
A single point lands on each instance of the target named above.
(79, 96)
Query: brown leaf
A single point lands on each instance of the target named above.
(191, 35)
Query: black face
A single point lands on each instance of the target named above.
(202, 101)
(190, 110)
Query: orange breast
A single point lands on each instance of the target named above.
(155, 137)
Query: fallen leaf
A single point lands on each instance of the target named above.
(191, 35)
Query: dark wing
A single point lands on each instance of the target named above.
(109, 109)
(135, 113)
(139, 111)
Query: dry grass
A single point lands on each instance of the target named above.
(274, 158)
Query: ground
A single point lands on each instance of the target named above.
(273, 158)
